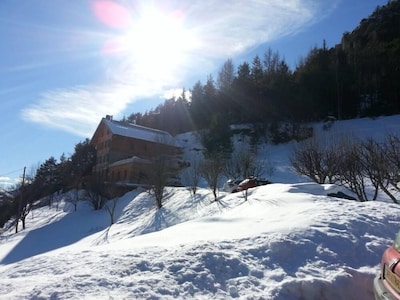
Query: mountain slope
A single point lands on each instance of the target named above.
(285, 242)
(288, 241)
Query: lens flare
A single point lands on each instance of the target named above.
(112, 14)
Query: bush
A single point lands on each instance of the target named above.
(316, 158)
(355, 164)
(283, 132)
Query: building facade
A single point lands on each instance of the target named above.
(126, 151)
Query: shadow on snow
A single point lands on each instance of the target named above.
(55, 235)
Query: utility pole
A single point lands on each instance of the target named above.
(18, 216)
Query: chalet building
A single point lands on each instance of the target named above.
(125, 151)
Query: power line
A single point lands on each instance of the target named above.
(12, 172)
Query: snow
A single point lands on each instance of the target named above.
(139, 132)
(289, 240)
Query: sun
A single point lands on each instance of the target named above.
(152, 39)
(157, 40)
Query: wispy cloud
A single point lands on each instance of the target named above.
(220, 29)
(77, 109)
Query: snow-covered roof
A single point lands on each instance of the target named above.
(139, 132)
(129, 160)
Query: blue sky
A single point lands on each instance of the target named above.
(66, 64)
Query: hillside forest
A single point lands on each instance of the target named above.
(356, 78)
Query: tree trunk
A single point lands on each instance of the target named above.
(23, 222)
(215, 194)
(386, 191)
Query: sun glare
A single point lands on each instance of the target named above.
(154, 42)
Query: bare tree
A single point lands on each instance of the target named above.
(371, 162)
(240, 164)
(111, 194)
(383, 162)
(164, 164)
(24, 204)
(24, 213)
(375, 165)
(75, 198)
(211, 169)
(332, 162)
(192, 173)
(392, 151)
(157, 177)
(95, 191)
(243, 163)
(233, 168)
(306, 159)
(29, 191)
(356, 164)
(352, 169)
(317, 159)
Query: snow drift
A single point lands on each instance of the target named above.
(289, 240)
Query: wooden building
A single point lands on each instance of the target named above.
(125, 151)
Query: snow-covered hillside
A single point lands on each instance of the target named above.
(288, 241)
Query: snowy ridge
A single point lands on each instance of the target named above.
(288, 241)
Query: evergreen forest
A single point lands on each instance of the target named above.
(356, 78)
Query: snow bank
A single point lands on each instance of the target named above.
(290, 240)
